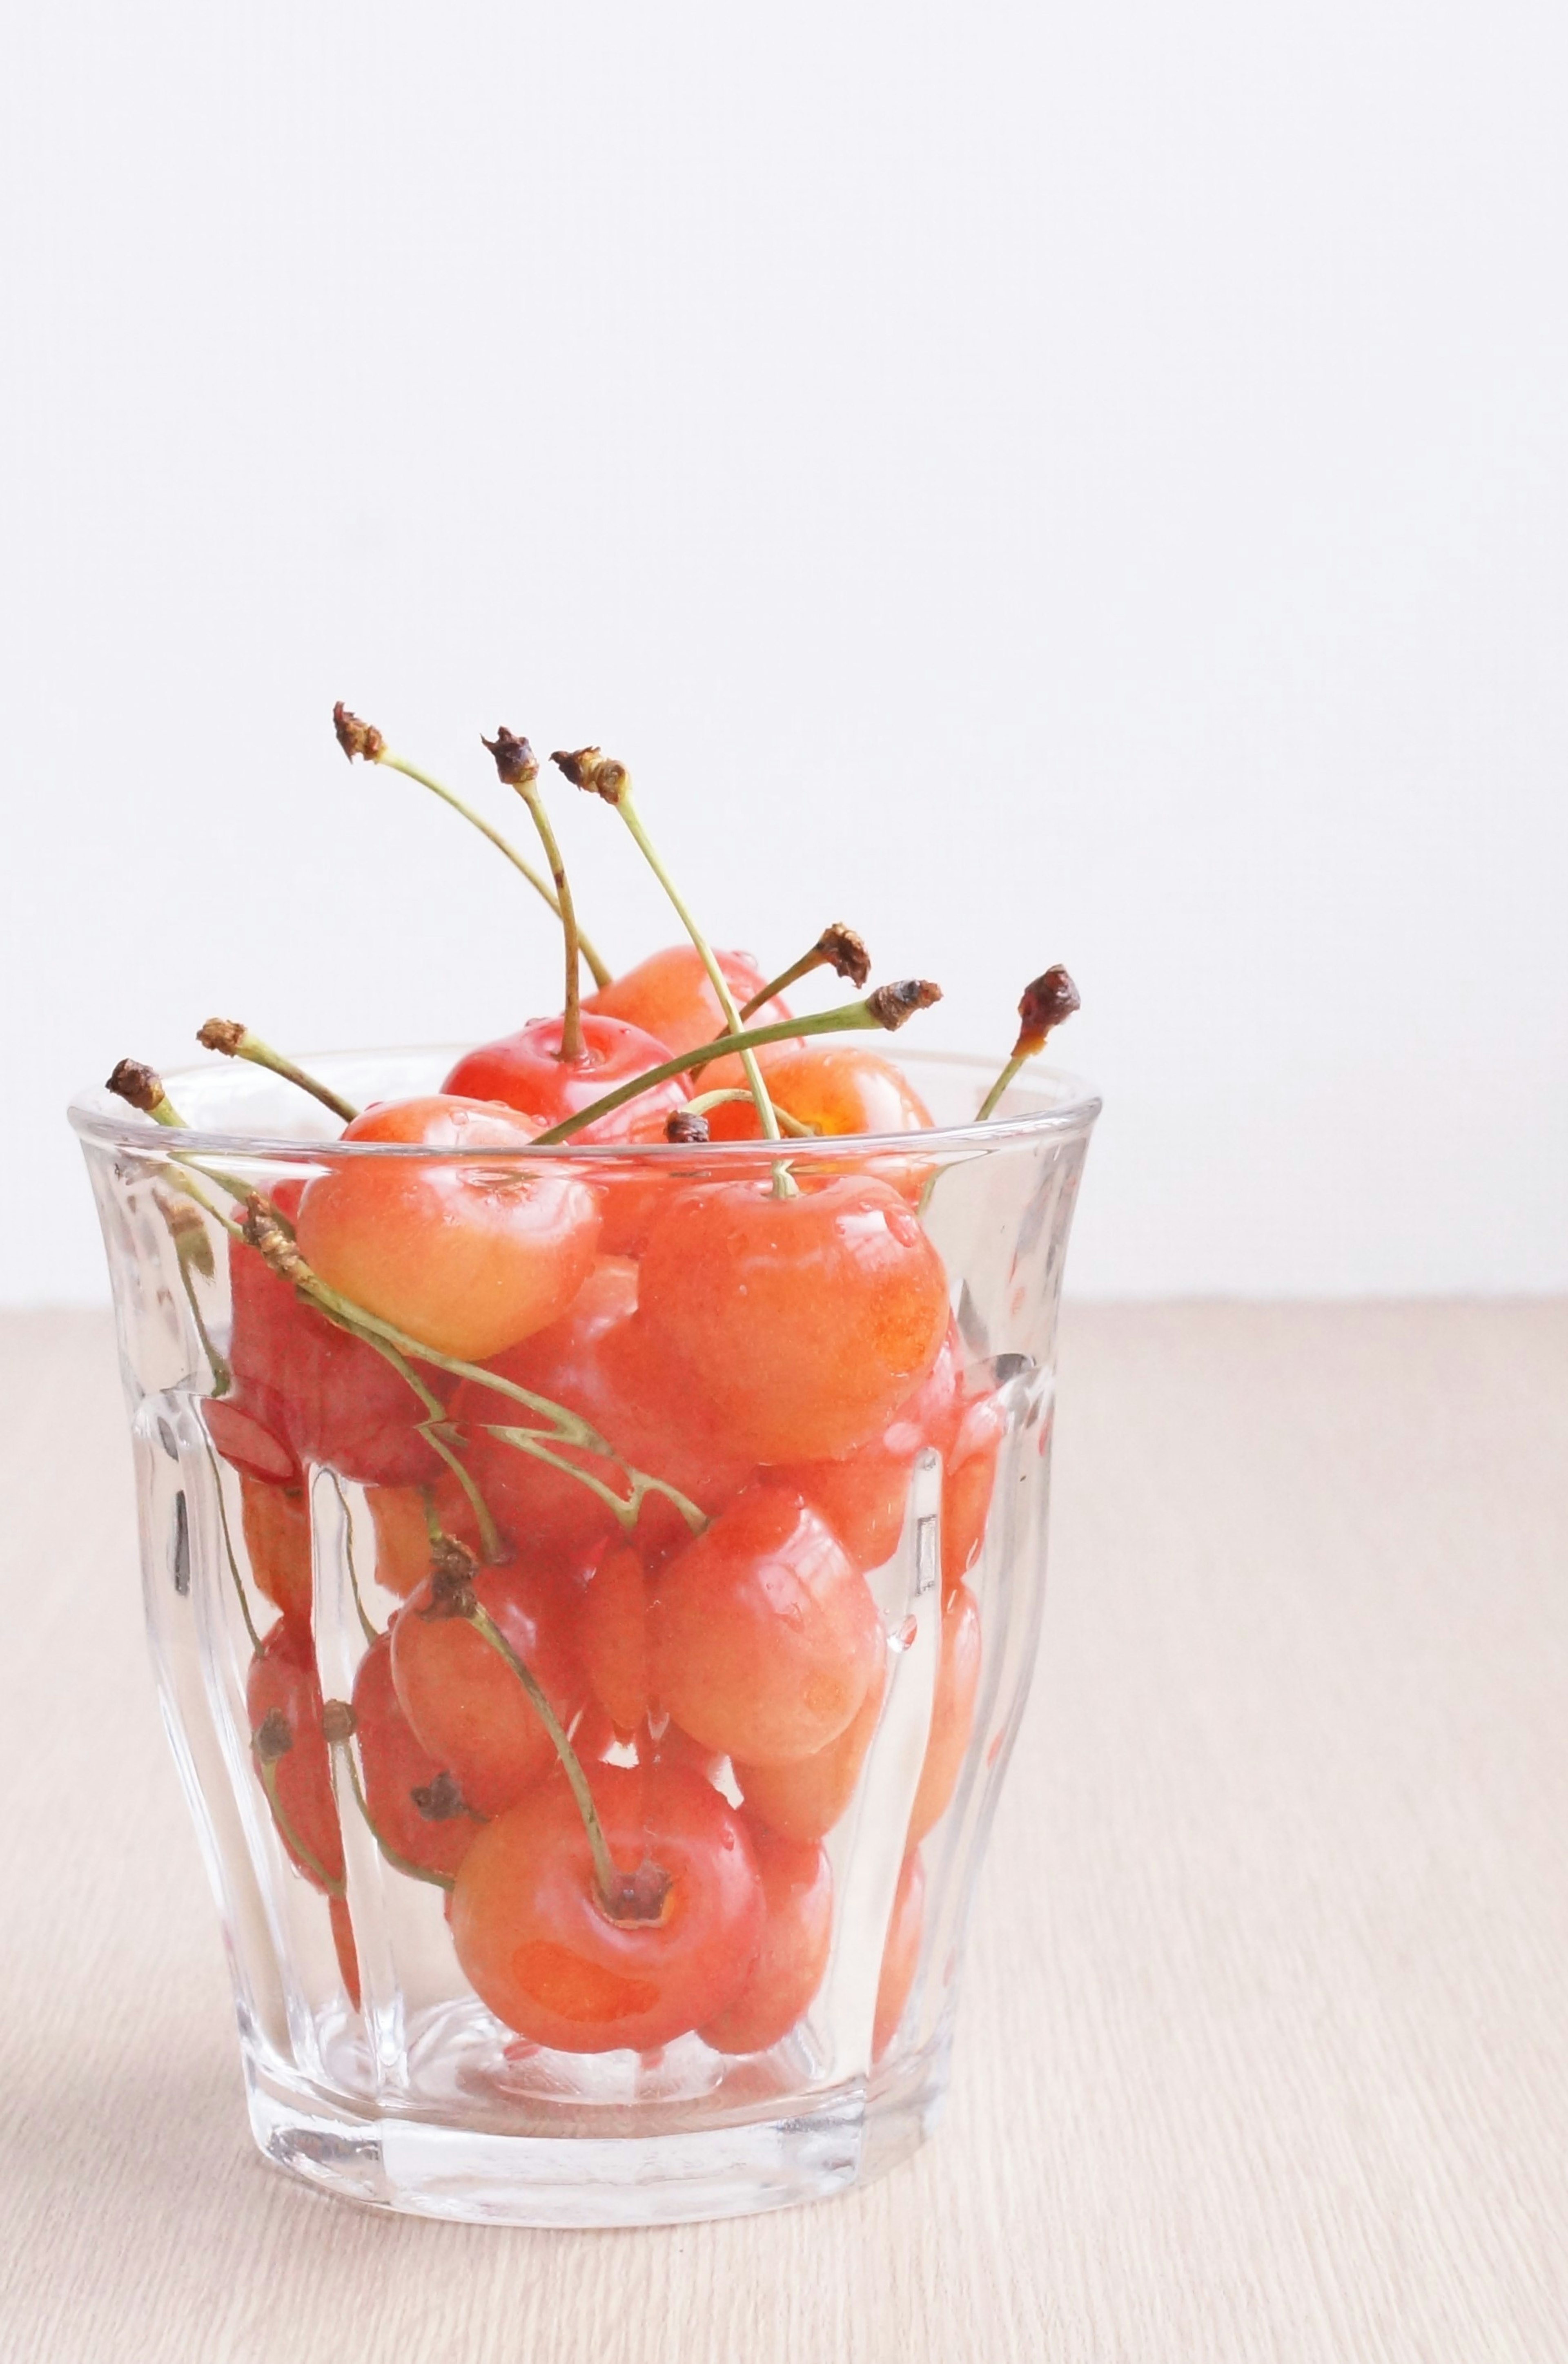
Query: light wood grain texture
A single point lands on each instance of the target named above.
(1264, 2051)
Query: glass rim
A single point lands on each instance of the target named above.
(98, 1116)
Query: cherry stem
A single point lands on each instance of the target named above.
(625, 806)
(485, 1624)
(837, 948)
(192, 1253)
(370, 1630)
(228, 1553)
(988, 1105)
(237, 1042)
(790, 1124)
(572, 1019)
(503, 845)
(888, 1007)
(1047, 1002)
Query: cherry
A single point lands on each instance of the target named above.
(807, 1798)
(464, 1703)
(952, 1712)
(612, 1636)
(467, 1257)
(797, 1927)
(836, 1086)
(864, 1495)
(538, 1946)
(669, 996)
(403, 1531)
(804, 1321)
(969, 1480)
(526, 1071)
(763, 1634)
(277, 1544)
(305, 1390)
(901, 1955)
(284, 1700)
(344, 1947)
(415, 1804)
(596, 1361)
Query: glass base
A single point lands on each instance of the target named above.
(415, 2167)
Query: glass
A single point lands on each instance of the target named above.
(373, 2069)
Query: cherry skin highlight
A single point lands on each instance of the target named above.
(808, 1797)
(763, 1634)
(277, 1545)
(803, 1322)
(467, 1257)
(952, 1712)
(466, 1705)
(670, 997)
(282, 1683)
(797, 1928)
(536, 1942)
(526, 1071)
(420, 1816)
(901, 1955)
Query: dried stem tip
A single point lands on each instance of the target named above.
(275, 1736)
(143, 1087)
(225, 1034)
(1045, 1004)
(890, 1005)
(438, 1800)
(687, 1124)
(515, 759)
(264, 1233)
(451, 1580)
(844, 950)
(601, 775)
(357, 738)
(338, 1722)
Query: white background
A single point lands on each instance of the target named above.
(1035, 483)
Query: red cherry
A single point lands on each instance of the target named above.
(807, 1798)
(420, 1815)
(863, 1495)
(284, 1700)
(670, 997)
(526, 1071)
(612, 1636)
(952, 1712)
(277, 1544)
(598, 1363)
(465, 1704)
(305, 1390)
(535, 1941)
(804, 1323)
(467, 1257)
(969, 1480)
(835, 1085)
(901, 1955)
(762, 1633)
(797, 1927)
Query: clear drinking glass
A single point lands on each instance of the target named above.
(373, 2069)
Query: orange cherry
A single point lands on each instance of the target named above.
(806, 1798)
(277, 1544)
(901, 1955)
(415, 1804)
(832, 1084)
(467, 1256)
(952, 1712)
(670, 997)
(797, 1928)
(465, 1704)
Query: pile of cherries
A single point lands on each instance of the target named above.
(631, 1437)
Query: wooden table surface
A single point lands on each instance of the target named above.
(1264, 2047)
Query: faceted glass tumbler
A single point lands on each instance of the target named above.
(275, 1555)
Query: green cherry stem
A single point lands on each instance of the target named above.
(887, 1007)
(790, 1124)
(1047, 1003)
(518, 766)
(237, 1042)
(362, 739)
(228, 1551)
(587, 768)
(367, 1627)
